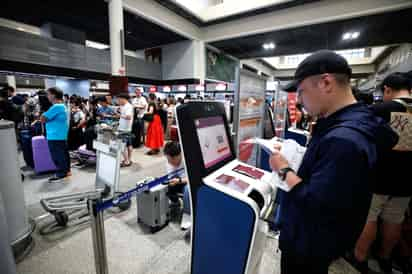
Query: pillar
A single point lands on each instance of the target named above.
(118, 62)
(11, 81)
(199, 60)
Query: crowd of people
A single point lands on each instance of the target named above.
(68, 122)
(352, 185)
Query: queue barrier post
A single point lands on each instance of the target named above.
(98, 236)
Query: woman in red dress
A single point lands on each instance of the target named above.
(154, 137)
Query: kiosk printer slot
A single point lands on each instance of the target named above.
(228, 198)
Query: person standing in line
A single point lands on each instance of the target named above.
(125, 127)
(155, 136)
(391, 193)
(326, 208)
(57, 128)
(140, 104)
(104, 111)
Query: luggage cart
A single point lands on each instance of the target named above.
(71, 209)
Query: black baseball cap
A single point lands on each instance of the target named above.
(396, 81)
(323, 61)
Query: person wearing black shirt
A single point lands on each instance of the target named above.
(392, 190)
(8, 110)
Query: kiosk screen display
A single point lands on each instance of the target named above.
(213, 140)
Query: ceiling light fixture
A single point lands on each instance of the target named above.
(355, 35)
(350, 35)
(268, 46)
(96, 45)
(21, 29)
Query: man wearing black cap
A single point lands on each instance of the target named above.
(391, 191)
(324, 212)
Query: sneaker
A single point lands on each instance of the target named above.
(362, 267)
(273, 234)
(385, 265)
(187, 236)
(55, 179)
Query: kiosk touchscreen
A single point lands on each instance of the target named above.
(228, 197)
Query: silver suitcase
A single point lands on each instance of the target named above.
(153, 208)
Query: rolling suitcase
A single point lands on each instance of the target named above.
(25, 142)
(41, 155)
(173, 134)
(153, 208)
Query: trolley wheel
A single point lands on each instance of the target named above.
(154, 229)
(61, 218)
(125, 205)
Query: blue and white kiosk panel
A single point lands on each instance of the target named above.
(228, 197)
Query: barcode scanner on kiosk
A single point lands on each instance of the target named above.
(228, 198)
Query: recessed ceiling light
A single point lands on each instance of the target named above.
(355, 35)
(347, 36)
(268, 46)
(350, 35)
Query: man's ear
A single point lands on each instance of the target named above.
(325, 83)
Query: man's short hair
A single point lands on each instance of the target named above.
(172, 149)
(4, 93)
(341, 79)
(396, 81)
(124, 95)
(9, 89)
(56, 92)
(102, 99)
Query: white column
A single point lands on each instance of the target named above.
(117, 58)
(199, 60)
(11, 81)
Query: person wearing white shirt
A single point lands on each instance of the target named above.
(141, 105)
(125, 127)
(175, 162)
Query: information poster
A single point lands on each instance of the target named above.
(219, 66)
(292, 98)
(251, 112)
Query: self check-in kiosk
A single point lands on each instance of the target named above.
(228, 198)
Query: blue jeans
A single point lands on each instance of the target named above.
(60, 155)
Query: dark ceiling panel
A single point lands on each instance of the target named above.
(375, 30)
(90, 16)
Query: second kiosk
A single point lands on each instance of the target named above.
(229, 199)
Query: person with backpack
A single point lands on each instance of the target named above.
(325, 209)
(392, 189)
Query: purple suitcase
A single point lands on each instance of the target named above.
(41, 155)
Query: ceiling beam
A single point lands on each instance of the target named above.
(158, 14)
(356, 70)
(303, 15)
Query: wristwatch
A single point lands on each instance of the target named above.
(283, 172)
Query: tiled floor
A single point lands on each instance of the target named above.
(131, 247)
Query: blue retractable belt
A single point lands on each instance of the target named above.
(138, 189)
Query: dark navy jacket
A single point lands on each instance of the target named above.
(323, 216)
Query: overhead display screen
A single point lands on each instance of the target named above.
(213, 140)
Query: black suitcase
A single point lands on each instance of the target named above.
(26, 147)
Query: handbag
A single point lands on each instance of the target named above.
(148, 117)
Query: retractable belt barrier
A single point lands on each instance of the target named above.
(96, 207)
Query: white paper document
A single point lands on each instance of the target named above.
(290, 149)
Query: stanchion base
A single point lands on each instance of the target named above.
(23, 246)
